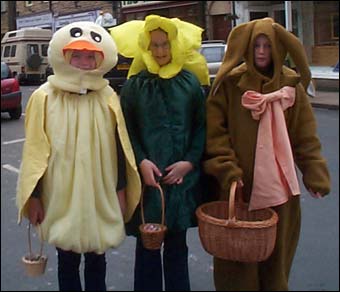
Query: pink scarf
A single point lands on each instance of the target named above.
(275, 178)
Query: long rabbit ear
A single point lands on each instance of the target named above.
(238, 42)
(296, 51)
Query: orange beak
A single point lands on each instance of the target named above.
(82, 45)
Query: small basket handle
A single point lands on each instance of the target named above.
(163, 205)
(231, 215)
(30, 243)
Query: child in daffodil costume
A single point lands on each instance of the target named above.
(78, 175)
(163, 105)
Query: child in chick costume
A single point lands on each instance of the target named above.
(164, 109)
(259, 125)
(78, 176)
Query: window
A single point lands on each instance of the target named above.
(44, 48)
(335, 25)
(13, 50)
(7, 51)
(280, 17)
(5, 71)
(32, 49)
(3, 6)
(257, 15)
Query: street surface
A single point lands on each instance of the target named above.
(316, 264)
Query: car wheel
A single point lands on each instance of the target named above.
(16, 113)
(34, 61)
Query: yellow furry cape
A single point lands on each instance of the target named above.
(81, 207)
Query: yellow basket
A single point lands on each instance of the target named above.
(152, 234)
(34, 264)
(234, 233)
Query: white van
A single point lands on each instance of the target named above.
(25, 52)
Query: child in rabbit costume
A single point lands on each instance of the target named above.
(259, 125)
(78, 176)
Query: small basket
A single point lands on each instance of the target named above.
(152, 234)
(248, 237)
(34, 264)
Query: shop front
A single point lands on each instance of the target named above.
(191, 11)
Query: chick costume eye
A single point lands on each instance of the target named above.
(96, 37)
(76, 32)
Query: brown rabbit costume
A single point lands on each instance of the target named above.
(232, 138)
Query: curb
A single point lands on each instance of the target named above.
(326, 106)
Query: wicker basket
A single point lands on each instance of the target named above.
(34, 264)
(247, 237)
(152, 234)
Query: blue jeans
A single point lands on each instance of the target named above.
(148, 265)
(68, 271)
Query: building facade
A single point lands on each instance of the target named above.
(315, 23)
(53, 14)
(220, 19)
(191, 11)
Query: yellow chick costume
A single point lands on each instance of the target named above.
(185, 40)
(70, 142)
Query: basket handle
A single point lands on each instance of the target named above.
(231, 215)
(30, 243)
(163, 205)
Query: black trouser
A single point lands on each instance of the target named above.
(68, 271)
(148, 265)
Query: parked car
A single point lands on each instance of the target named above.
(25, 51)
(213, 51)
(10, 93)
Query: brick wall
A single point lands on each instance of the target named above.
(325, 55)
(8, 16)
(35, 8)
(62, 7)
(4, 23)
(69, 7)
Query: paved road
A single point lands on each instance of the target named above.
(315, 268)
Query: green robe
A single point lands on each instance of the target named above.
(166, 123)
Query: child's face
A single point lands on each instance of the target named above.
(160, 47)
(84, 60)
(262, 52)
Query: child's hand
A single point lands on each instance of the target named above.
(149, 170)
(315, 195)
(122, 201)
(177, 172)
(35, 211)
